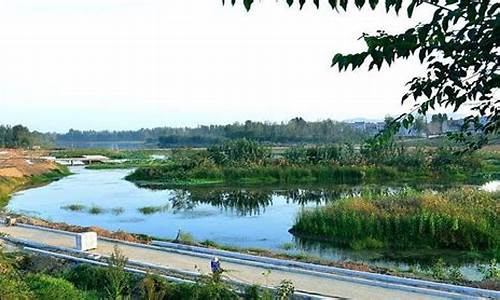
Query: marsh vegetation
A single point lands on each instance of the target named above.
(243, 162)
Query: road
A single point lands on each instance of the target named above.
(239, 272)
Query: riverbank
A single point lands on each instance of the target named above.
(24, 169)
(9, 185)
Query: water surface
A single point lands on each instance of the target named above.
(244, 217)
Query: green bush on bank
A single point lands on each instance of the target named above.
(457, 219)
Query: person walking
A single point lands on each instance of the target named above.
(215, 265)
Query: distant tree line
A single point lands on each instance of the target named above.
(20, 136)
(295, 131)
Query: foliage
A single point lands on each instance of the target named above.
(117, 280)
(457, 219)
(148, 210)
(492, 271)
(74, 207)
(459, 46)
(285, 290)
(11, 285)
(322, 154)
(241, 151)
(185, 237)
(245, 162)
(87, 277)
(46, 287)
(438, 270)
(294, 131)
(154, 288)
(20, 136)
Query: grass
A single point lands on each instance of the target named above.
(74, 207)
(149, 210)
(287, 246)
(96, 210)
(171, 174)
(461, 219)
(185, 237)
(117, 211)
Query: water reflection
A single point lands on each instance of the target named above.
(254, 201)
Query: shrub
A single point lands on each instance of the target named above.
(285, 290)
(12, 288)
(492, 271)
(87, 277)
(45, 287)
(117, 283)
(154, 287)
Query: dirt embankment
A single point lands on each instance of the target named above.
(23, 163)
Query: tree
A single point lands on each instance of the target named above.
(460, 47)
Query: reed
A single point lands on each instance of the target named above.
(457, 219)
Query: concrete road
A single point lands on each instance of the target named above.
(239, 272)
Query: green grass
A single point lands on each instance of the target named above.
(462, 219)
(250, 175)
(74, 207)
(287, 246)
(117, 210)
(96, 210)
(149, 210)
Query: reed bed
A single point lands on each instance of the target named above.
(457, 219)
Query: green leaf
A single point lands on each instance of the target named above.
(343, 4)
(290, 2)
(359, 3)
(397, 5)
(247, 3)
(316, 2)
(410, 8)
(333, 4)
(373, 3)
(301, 3)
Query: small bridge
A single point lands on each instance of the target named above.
(80, 161)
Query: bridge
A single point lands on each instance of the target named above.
(80, 161)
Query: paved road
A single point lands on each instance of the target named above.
(239, 272)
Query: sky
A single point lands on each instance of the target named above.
(129, 64)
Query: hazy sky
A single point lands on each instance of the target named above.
(124, 64)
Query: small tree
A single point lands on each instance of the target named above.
(117, 280)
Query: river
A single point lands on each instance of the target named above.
(251, 217)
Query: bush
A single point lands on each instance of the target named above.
(87, 277)
(45, 287)
(12, 288)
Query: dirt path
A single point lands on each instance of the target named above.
(242, 273)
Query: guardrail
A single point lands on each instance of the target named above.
(373, 279)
